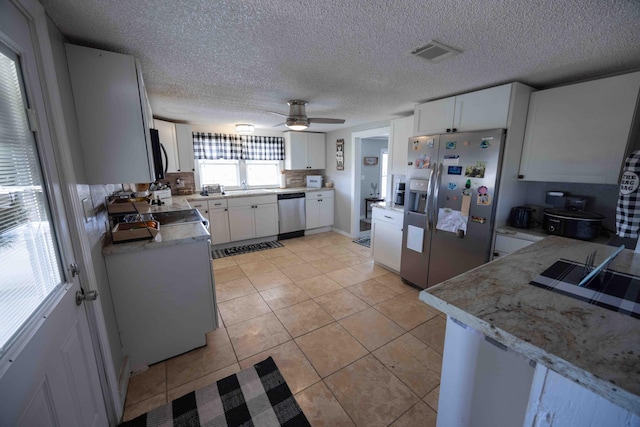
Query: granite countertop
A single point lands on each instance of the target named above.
(388, 205)
(248, 193)
(593, 346)
(169, 235)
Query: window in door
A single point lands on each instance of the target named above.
(30, 261)
(384, 168)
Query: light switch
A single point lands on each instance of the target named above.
(87, 209)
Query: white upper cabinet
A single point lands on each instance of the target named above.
(113, 116)
(177, 140)
(304, 150)
(184, 137)
(435, 116)
(401, 131)
(167, 135)
(482, 109)
(581, 132)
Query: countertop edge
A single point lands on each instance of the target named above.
(602, 387)
(171, 235)
(236, 194)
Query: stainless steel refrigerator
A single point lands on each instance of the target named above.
(450, 201)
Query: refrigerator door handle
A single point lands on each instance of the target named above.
(429, 192)
(435, 196)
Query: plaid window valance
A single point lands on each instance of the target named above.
(212, 146)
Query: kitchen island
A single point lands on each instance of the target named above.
(594, 348)
(163, 290)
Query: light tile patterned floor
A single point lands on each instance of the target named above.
(354, 343)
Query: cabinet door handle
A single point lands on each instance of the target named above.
(387, 216)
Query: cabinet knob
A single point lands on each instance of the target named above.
(448, 130)
(454, 130)
(520, 176)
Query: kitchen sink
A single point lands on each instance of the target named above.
(610, 289)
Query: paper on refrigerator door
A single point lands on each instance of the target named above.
(415, 238)
(450, 220)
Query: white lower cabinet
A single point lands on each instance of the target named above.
(386, 237)
(217, 213)
(219, 226)
(508, 243)
(319, 209)
(253, 217)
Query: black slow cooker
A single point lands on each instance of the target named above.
(575, 224)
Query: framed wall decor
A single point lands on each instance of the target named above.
(340, 154)
(370, 161)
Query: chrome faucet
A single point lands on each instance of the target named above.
(244, 184)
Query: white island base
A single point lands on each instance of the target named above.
(485, 384)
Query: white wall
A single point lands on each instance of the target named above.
(342, 180)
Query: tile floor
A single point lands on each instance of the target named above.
(353, 342)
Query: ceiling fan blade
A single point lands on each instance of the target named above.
(278, 114)
(325, 120)
(279, 124)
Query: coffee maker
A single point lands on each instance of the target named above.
(398, 195)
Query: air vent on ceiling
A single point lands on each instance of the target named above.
(433, 51)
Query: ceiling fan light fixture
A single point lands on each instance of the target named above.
(244, 128)
(294, 123)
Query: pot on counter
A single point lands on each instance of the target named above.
(575, 224)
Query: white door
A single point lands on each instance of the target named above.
(48, 369)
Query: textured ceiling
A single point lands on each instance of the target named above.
(224, 62)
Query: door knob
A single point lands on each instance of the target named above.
(81, 295)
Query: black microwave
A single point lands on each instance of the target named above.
(160, 165)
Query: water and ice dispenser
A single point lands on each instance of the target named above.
(416, 200)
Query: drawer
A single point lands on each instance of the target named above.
(387, 215)
(218, 204)
(200, 204)
(508, 245)
(252, 200)
(317, 195)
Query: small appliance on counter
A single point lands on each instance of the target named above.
(572, 221)
(398, 197)
(314, 181)
(520, 217)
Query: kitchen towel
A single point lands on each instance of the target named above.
(450, 220)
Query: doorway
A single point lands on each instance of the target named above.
(370, 151)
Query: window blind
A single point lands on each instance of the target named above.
(29, 261)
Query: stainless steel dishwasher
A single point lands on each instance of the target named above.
(291, 215)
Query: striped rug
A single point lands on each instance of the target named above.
(256, 396)
(244, 249)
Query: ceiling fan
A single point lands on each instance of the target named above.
(297, 118)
